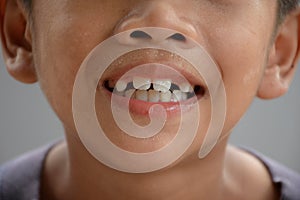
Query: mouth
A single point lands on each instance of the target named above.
(171, 83)
(155, 91)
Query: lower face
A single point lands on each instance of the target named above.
(235, 33)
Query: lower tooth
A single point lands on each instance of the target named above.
(165, 96)
(130, 93)
(142, 95)
(177, 95)
(115, 92)
(184, 96)
(153, 96)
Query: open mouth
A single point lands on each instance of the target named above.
(154, 90)
(148, 77)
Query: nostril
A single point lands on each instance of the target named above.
(140, 35)
(178, 37)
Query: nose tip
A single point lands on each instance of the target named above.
(155, 36)
(160, 14)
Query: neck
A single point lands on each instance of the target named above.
(83, 177)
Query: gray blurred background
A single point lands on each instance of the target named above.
(27, 121)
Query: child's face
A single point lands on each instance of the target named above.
(236, 33)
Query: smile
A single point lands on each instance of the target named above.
(144, 81)
(156, 90)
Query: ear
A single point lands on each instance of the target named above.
(283, 58)
(16, 41)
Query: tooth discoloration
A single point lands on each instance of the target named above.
(165, 96)
(142, 95)
(153, 96)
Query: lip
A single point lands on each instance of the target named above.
(185, 69)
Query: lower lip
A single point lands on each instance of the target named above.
(142, 107)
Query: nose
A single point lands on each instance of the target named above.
(158, 13)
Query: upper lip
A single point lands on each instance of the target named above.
(117, 69)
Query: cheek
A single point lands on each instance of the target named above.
(242, 62)
(59, 50)
(241, 58)
(241, 84)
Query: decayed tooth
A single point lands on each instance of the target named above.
(130, 93)
(153, 96)
(185, 87)
(141, 95)
(165, 96)
(140, 83)
(121, 86)
(177, 95)
(162, 85)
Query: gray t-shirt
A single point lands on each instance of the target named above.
(20, 178)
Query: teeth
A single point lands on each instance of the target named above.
(119, 93)
(140, 83)
(177, 95)
(153, 96)
(130, 93)
(184, 96)
(162, 85)
(141, 95)
(165, 96)
(121, 86)
(161, 90)
(185, 87)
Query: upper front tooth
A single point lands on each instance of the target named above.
(185, 87)
(162, 85)
(121, 86)
(140, 83)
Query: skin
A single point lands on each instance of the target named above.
(253, 60)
